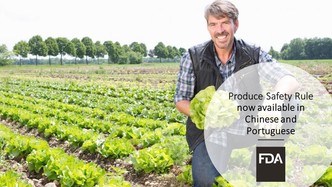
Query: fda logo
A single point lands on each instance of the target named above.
(270, 164)
(269, 158)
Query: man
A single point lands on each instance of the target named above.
(211, 63)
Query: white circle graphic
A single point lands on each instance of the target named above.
(254, 111)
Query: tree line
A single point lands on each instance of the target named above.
(86, 48)
(298, 49)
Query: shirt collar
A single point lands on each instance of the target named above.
(230, 61)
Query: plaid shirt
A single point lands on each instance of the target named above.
(186, 80)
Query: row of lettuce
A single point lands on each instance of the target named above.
(140, 126)
(104, 137)
(148, 143)
(54, 163)
(12, 178)
(144, 103)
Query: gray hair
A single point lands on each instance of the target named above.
(220, 9)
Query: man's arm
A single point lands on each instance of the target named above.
(183, 107)
(185, 85)
(274, 73)
(287, 84)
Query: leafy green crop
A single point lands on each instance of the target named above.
(199, 105)
(222, 111)
(115, 148)
(221, 182)
(37, 159)
(152, 159)
(326, 178)
(186, 175)
(11, 178)
(54, 163)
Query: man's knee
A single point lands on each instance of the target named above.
(204, 172)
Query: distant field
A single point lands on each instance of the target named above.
(318, 67)
(301, 62)
(153, 73)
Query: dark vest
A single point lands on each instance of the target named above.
(207, 73)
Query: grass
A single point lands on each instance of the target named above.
(318, 67)
(308, 62)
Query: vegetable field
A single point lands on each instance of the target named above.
(105, 125)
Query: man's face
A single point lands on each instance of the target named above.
(222, 31)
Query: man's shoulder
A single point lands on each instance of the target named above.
(244, 48)
(246, 43)
(202, 49)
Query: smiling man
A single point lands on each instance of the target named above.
(211, 63)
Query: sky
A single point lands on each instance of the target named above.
(178, 23)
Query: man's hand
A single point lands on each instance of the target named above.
(183, 107)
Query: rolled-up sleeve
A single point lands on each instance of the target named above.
(185, 81)
(270, 69)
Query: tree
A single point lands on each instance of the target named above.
(115, 51)
(135, 57)
(138, 48)
(123, 51)
(182, 51)
(62, 44)
(109, 49)
(284, 47)
(172, 52)
(325, 46)
(5, 56)
(52, 48)
(145, 50)
(123, 58)
(151, 53)
(125, 48)
(296, 49)
(90, 48)
(100, 50)
(318, 48)
(37, 46)
(21, 49)
(284, 51)
(70, 49)
(79, 48)
(161, 51)
(274, 53)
